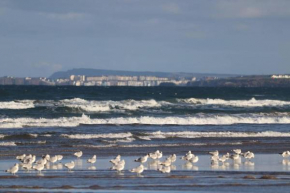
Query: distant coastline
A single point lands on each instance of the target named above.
(97, 77)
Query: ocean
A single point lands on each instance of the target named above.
(133, 121)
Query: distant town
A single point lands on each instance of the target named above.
(81, 80)
(181, 79)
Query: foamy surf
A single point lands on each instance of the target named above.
(128, 137)
(209, 119)
(236, 103)
(23, 104)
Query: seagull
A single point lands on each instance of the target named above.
(78, 154)
(93, 159)
(165, 169)
(142, 159)
(116, 160)
(21, 157)
(153, 155)
(237, 151)
(214, 153)
(187, 156)
(53, 159)
(172, 157)
(249, 155)
(38, 167)
(29, 159)
(235, 156)
(13, 170)
(167, 162)
(47, 157)
(223, 158)
(27, 166)
(42, 161)
(138, 169)
(194, 159)
(285, 154)
(119, 167)
(214, 158)
(159, 154)
(59, 157)
(70, 165)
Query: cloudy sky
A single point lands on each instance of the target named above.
(39, 37)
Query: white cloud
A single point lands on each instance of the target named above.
(64, 16)
(171, 8)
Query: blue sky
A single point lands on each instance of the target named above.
(40, 37)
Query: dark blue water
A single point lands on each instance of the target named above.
(103, 119)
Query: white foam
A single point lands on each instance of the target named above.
(33, 135)
(155, 145)
(237, 103)
(2, 136)
(7, 143)
(209, 119)
(96, 106)
(96, 136)
(225, 134)
(22, 104)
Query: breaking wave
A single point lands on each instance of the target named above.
(94, 106)
(85, 105)
(96, 136)
(225, 134)
(8, 144)
(23, 104)
(128, 137)
(236, 103)
(156, 145)
(135, 105)
(209, 119)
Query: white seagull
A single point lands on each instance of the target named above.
(138, 169)
(142, 159)
(70, 165)
(13, 170)
(92, 160)
(165, 169)
(78, 154)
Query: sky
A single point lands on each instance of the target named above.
(39, 37)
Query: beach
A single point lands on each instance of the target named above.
(132, 122)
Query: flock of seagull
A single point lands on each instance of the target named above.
(29, 162)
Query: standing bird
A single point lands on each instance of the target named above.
(70, 165)
(167, 162)
(78, 154)
(119, 167)
(142, 159)
(138, 169)
(165, 169)
(249, 155)
(285, 154)
(214, 153)
(93, 159)
(38, 167)
(237, 151)
(59, 157)
(172, 157)
(13, 170)
(116, 160)
(194, 159)
(53, 159)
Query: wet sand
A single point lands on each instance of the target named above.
(267, 172)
